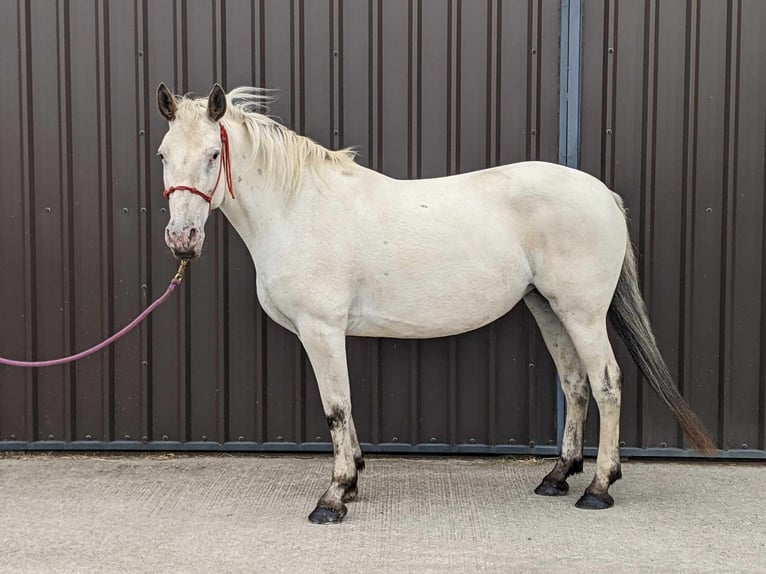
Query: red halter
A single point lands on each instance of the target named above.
(225, 165)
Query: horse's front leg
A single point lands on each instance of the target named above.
(326, 349)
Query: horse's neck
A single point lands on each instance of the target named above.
(262, 214)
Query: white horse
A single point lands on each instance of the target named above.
(342, 250)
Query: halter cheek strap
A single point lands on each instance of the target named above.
(224, 166)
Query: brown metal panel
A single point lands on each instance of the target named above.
(542, 392)
(472, 153)
(432, 72)
(745, 401)
(16, 322)
(126, 258)
(548, 63)
(284, 361)
(398, 384)
(245, 341)
(626, 53)
(702, 382)
(46, 217)
(167, 325)
(206, 295)
(318, 108)
(355, 119)
(663, 123)
(660, 183)
(88, 234)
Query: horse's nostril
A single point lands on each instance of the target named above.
(192, 233)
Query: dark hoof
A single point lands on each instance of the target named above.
(359, 464)
(552, 488)
(350, 494)
(590, 501)
(327, 515)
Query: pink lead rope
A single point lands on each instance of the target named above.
(175, 282)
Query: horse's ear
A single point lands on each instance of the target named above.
(216, 103)
(166, 102)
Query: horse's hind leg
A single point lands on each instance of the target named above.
(588, 333)
(358, 458)
(575, 386)
(326, 349)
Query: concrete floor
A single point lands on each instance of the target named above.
(219, 514)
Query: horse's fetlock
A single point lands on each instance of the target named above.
(615, 474)
(575, 466)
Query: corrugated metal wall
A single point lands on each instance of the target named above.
(673, 117)
(422, 88)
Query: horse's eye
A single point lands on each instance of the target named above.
(215, 155)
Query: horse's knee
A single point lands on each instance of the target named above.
(337, 417)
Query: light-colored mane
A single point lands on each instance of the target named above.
(283, 154)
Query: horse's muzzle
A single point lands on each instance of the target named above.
(186, 242)
(185, 254)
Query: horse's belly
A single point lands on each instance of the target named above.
(433, 312)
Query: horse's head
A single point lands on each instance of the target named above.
(192, 153)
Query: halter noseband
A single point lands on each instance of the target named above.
(225, 165)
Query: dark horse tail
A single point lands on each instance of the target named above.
(629, 317)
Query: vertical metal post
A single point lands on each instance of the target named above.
(569, 124)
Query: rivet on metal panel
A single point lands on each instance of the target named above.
(280, 439)
(163, 210)
(141, 132)
(144, 286)
(395, 439)
(88, 437)
(550, 441)
(744, 445)
(241, 438)
(143, 438)
(433, 439)
(126, 437)
(335, 53)
(533, 131)
(319, 439)
(611, 50)
(335, 132)
(51, 437)
(663, 444)
(125, 210)
(144, 363)
(140, 52)
(164, 437)
(511, 441)
(48, 210)
(531, 444)
(531, 365)
(13, 436)
(471, 441)
(204, 438)
(709, 210)
(622, 443)
(609, 131)
(143, 210)
(534, 51)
